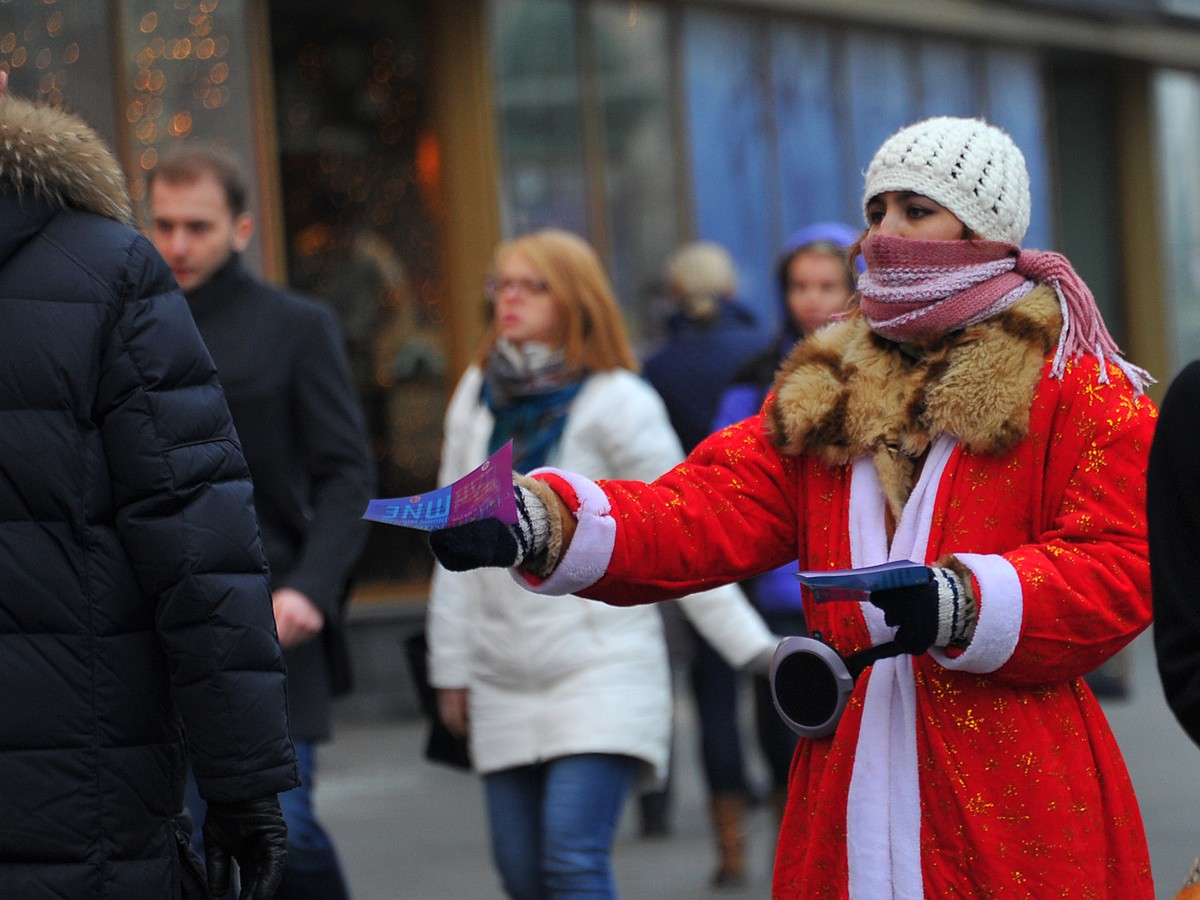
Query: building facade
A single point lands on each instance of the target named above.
(392, 144)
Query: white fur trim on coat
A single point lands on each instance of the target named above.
(586, 560)
(998, 625)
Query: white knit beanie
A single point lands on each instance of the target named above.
(968, 166)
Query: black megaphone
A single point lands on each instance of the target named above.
(811, 682)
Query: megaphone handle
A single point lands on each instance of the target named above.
(856, 662)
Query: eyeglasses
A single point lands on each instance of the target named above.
(525, 287)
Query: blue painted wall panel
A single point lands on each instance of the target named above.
(804, 81)
(882, 98)
(1016, 103)
(729, 148)
(948, 80)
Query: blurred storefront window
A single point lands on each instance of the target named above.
(59, 53)
(642, 216)
(350, 159)
(359, 171)
(781, 129)
(583, 97)
(1177, 102)
(643, 124)
(538, 98)
(636, 123)
(189, 71)
(1187, 8)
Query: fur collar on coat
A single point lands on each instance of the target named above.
(845, 392)
(56, 156)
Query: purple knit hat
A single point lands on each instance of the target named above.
(834, 232)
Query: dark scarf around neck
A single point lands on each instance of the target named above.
(529, 390)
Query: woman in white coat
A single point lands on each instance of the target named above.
(566, 702)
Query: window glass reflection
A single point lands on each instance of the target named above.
(1177, 101)
(188, 76)
(633, 80)
(535, 69)
(52, 55)
(359, 163)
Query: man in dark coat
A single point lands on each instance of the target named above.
(134, 601)
(1173, 520)
(281, 360)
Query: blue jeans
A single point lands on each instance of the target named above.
(715, 686)
(313, 871)
(553, 825)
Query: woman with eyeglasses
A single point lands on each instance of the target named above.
(972, 414)
(566, 702)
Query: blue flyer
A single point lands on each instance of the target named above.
(856, 584)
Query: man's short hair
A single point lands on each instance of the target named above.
(188, 163)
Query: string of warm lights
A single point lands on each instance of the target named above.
(177, 50)
(180, 74)
(41, 43)
(360, 161)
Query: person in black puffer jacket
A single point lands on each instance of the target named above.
(134, 602)
(1173, 518)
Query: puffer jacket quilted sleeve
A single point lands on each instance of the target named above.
(134, 602)
(184, 516)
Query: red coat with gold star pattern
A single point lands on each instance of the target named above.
(985, 772)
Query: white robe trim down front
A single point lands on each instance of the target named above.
(586, 560)
(883, 815)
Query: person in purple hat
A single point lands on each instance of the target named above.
(816, 280)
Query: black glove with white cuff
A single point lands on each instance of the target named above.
(940, 613)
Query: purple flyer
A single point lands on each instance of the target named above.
(484, 493)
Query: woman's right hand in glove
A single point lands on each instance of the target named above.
(490, 542)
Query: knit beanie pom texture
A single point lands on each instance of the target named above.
(972, 168)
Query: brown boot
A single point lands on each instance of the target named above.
(729, 820)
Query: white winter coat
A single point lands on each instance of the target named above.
(553, 676)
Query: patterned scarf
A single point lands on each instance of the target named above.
(915, 289)
(529, 389)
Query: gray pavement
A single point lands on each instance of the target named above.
(410, 830)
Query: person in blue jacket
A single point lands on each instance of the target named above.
(711, 334)
(816, 280)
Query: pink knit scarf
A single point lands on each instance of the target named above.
(913, 290)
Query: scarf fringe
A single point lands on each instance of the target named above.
(1083, 328)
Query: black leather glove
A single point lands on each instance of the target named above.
(252, 832)
(925, 615)
(490, 542)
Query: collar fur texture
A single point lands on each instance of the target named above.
(55, 155)
(845, 392)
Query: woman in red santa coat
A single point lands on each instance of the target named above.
(973, 414)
